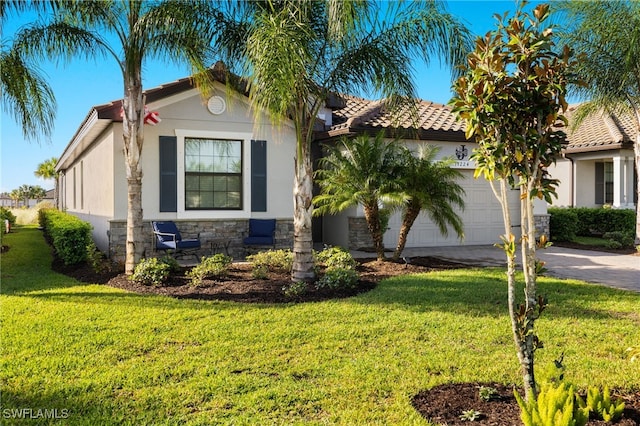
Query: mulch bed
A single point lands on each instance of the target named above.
(442, 404)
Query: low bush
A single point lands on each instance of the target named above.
(599, 403)
(335, 258)
(557, 405)
(96, 259)
(618, 239)
(563, 224)
(209, 267)
(295, 289)
(151, 271)
(272, 260)
(68, 235)
(338, 279)
(6, 214)
(598, 221)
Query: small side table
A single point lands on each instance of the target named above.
(218, 245)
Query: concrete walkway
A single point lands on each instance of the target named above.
(614, 270)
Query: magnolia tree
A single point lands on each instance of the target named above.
(511, 100)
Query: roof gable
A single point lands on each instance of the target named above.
(600, 131)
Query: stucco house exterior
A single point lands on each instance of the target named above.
(212, 164)
(597, 167)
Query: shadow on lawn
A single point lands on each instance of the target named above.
(470, 293)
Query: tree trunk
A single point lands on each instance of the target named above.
(411, 213)
(527, 337)
(133, 135)
(636, 149)
(303, 265)
(372, 216)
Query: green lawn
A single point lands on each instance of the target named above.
(106, 356)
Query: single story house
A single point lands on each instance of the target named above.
(597, 167)
(212, 164)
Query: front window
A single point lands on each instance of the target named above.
(608, 183)
(213, 174)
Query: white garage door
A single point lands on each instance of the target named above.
(482, 219)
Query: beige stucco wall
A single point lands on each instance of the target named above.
(185, 115)
(563, 171)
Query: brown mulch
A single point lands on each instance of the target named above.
(442, 404)
(445, 404)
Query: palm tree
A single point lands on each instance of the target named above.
(296, 52)
(47, 170)
(610, 65)
(430, 186)
(364, 171)
(15, 196)
(171, 30)
(25, 93)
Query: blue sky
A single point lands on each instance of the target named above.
(81, 84)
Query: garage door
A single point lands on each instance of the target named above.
(482, 219)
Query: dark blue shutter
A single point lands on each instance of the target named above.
(258, 176)
(168, 174)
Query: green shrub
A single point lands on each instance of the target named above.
(209, 267)
(272, 260)
(6, 214)
(335, 258)
(557, 405)
(68, 235)
(151, 271)
(295, 289)
(563, 224)
(337, 279)
(618, 239)
(600, 404)
(598, 221)
(95, 258)
(174, 266)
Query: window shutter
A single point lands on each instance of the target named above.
(168, 174)
(599, 183)
(258, 176)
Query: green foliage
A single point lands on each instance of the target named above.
(295, 289)
(95, 258)
(557, 404)
(6, 214)
(335, 257)
(563, 224)
(151, 271)
(272, 260)
(174, 266)
(470, 415)
(68, 235)
(209, 267)
(598, 221)
(618, 239)
(634, 353)
(338, 278)
(600, 404)
(488, 393)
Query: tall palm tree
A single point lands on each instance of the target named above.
(610, 65)
(430, 186)
(364, 171)
(297, 52)
(128, 32)
(24, 92)
(47, 170)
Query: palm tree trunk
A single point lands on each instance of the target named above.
(410, 215)
(133, 135)
(303, 266)
(372, 216)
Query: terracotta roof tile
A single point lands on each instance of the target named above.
(600, 131)
(362, 114)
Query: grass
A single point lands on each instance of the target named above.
(111, 357)
(591, 241)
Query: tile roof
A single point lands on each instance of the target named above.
(429, 120)
(600, 131)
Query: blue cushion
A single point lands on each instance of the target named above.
(259, 241)
(167, 228)
(189, 244)
(262, 227)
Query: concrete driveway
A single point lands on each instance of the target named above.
(614, 270)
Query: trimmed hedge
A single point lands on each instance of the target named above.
(67, 234)
(566, 223)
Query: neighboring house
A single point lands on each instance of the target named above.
(597, 167)
(6, 201)
(211, 164)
